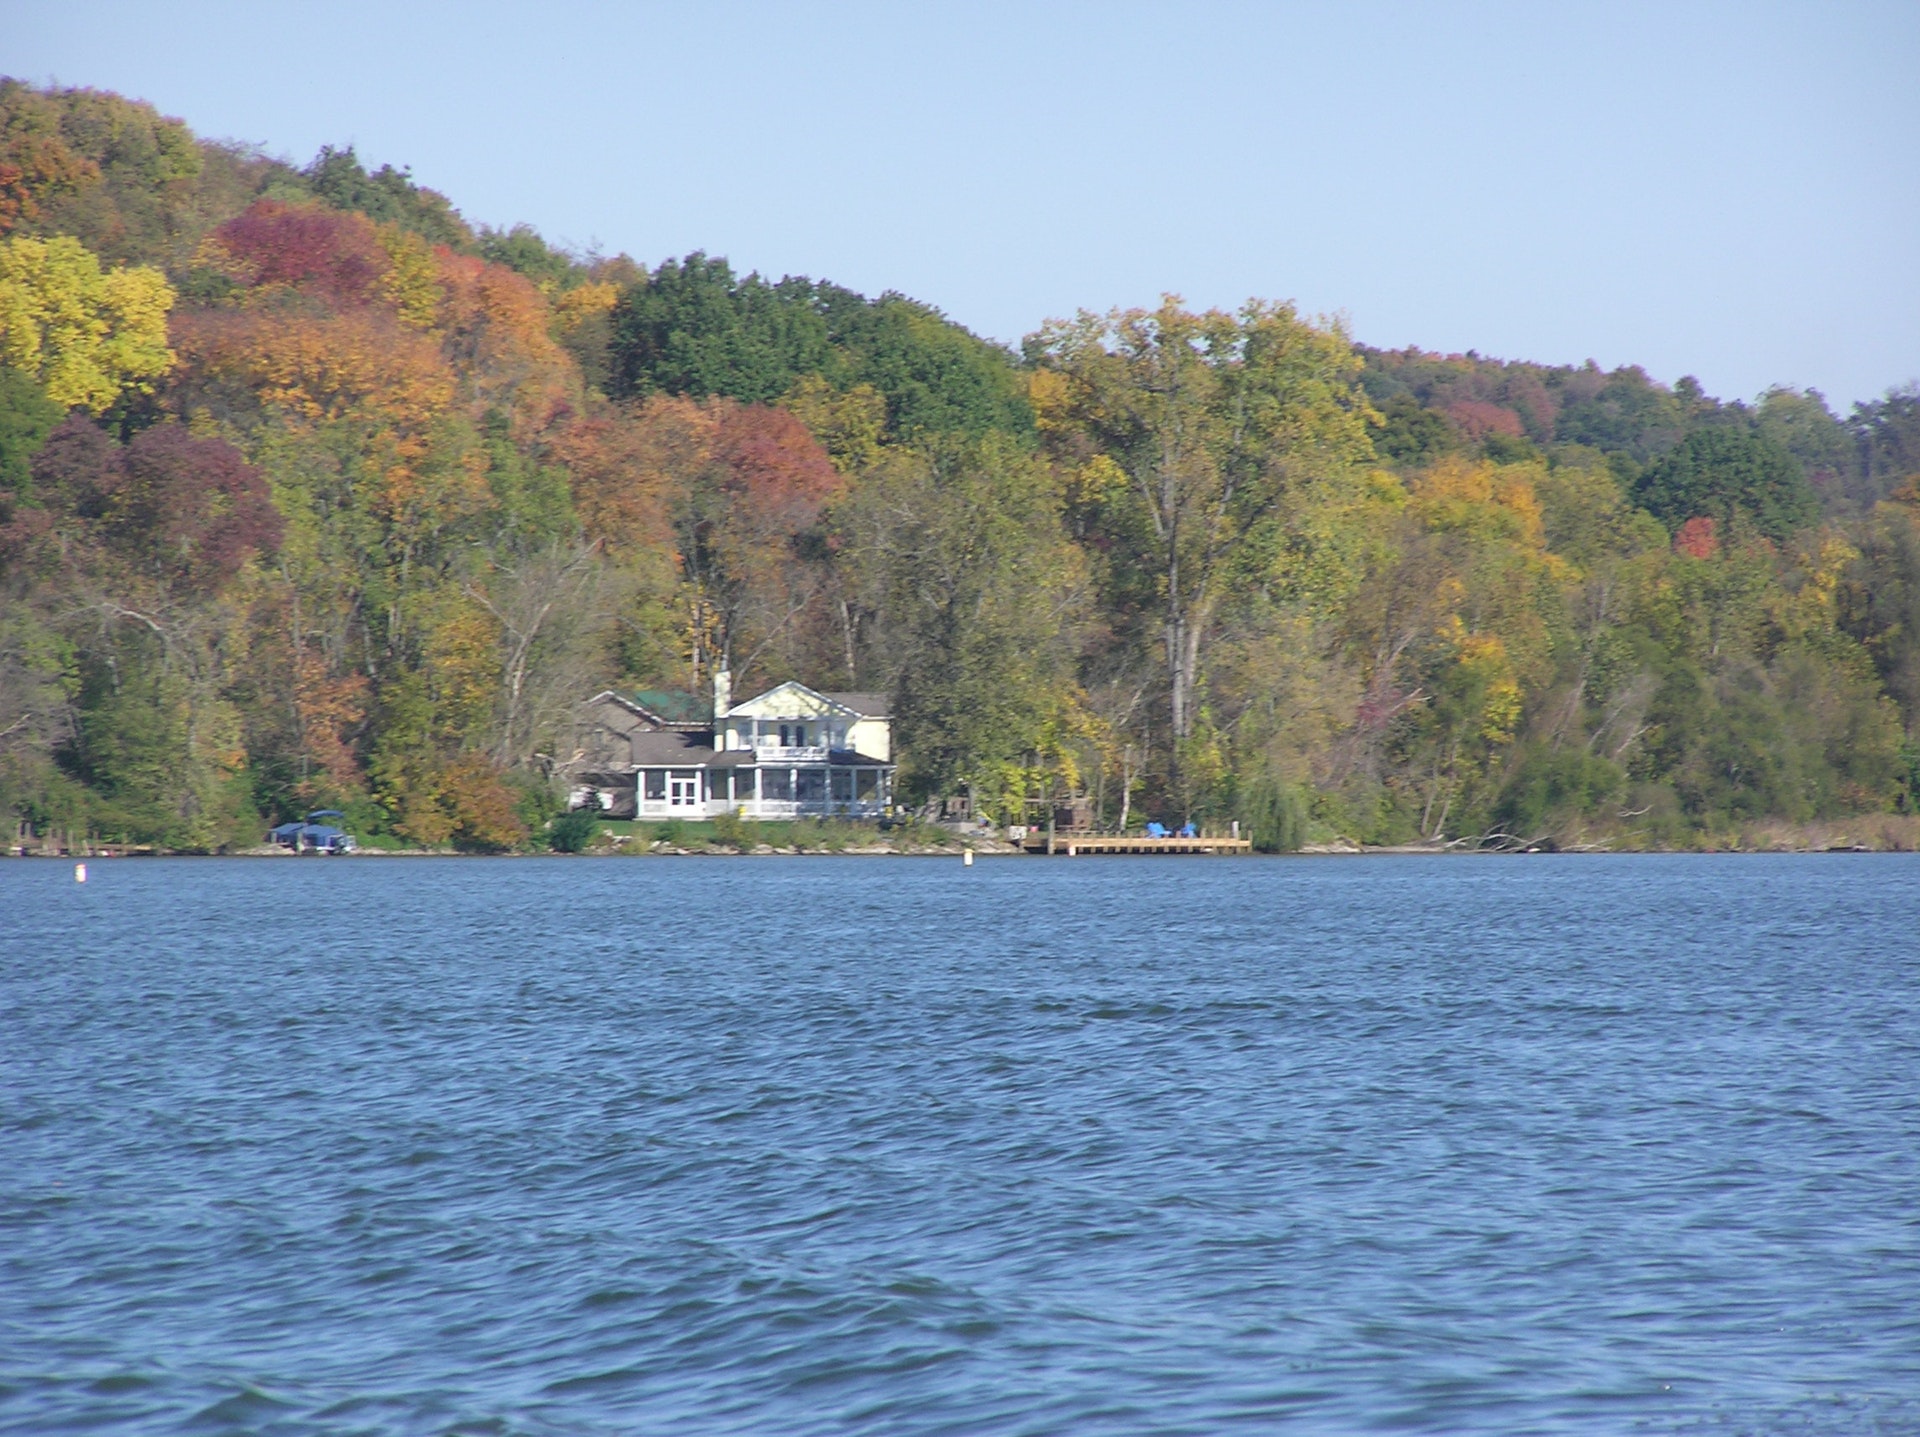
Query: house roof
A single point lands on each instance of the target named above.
(866, 705)
(675, 707)
(670, 746)
(791, 699)
(662, 708)
(772, 703)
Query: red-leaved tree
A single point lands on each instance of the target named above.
(170, 507)
(1696, 538)
(309, 247)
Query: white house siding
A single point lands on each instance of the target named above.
(872, 737)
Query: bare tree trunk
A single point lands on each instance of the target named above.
(1176, 677)
(846, 639)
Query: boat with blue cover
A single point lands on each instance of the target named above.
(309, 835)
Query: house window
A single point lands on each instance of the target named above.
(777, 784)
(813, 785)
(843, 785)
(867, 784)
(656, 783)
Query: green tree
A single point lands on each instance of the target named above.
(388, 196)
(128, 183)
(936, 377)
(693, 328)
(1551, 788)
(27, 417)
(1214, 420)
(523, 250)
(1723, 471)
(1622, 412)
(1411, 433)
(1879, 603)
(975, 597)
(573, 831)
(1275, 813)
(1800, 423)
(1886, 436)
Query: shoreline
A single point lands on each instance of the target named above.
(984, 850)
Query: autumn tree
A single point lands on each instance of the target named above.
(143, 546)
(741, 524)
(83, 333)
(625, 466)
(37, 166)
(131, 185)
(493, 327)
(301, 246)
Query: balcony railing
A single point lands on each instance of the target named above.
(773, 751)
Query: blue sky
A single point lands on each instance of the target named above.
(1725, 190)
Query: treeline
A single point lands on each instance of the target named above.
(312, 494)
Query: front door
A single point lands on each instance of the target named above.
(683, 790)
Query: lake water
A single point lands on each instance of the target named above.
(796, 1146)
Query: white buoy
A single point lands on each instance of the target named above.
(966, 859)
(79, 873)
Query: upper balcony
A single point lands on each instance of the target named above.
(771, 750)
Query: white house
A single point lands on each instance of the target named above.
(790, 752)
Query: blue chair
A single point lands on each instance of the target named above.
(1156, 830)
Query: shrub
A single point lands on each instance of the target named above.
(572, 832)
(734, 831)
(1552, 787)
(817, 833)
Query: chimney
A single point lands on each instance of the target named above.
(722, 697)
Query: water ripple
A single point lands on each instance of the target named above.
(1130, 1146)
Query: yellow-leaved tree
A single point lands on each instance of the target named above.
(86, 334)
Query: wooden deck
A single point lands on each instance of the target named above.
(1073, 845)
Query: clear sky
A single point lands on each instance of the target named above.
(1725, 190)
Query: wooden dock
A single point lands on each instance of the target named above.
(1073, 845)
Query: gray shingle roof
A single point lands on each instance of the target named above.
(866, 705)
(668, 746)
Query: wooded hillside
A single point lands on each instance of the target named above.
(312, 494)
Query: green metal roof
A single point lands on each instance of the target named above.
(675, 706)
